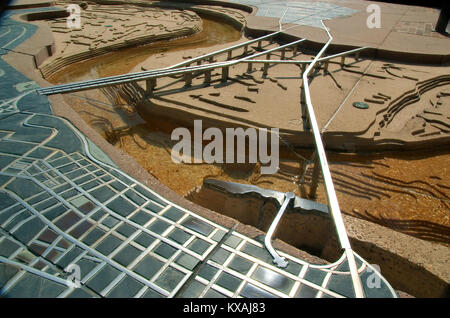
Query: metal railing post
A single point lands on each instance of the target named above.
(249, 67)
(187, 79)
(225, 71)
(325, 65)
(315, 177)
(150, 85)
(207, 77)
(265, 69)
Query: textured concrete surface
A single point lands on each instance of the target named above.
(61, 205)
(383, 239)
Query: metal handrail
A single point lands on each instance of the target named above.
(169, 71)
(333, 204)
(322, 59)
(190, 61)
(140, 76)
(225, 50)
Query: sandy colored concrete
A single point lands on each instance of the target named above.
(336, 110)
(106, 28)
(389, 40)
(345, 127)
(385, 241)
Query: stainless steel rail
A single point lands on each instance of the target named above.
(333, 204)
(322, 59)
(184, 63)
(141, 76)
(170, 71)
(226, 50)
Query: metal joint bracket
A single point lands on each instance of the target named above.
(277, 259)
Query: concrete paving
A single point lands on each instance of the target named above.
(405, 32)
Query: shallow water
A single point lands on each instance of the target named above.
(124, 60)
(407, 193)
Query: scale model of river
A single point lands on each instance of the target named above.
(406, 191)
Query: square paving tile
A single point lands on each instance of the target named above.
(214, 294)
(228, 281)
(110, 221)
(67, 220)
(144, 239)
(232, 241)
(102, 194)
(153, 207)
(165, 250)
(136, 198)
(173, 214)
(258, 252)
(7, 247)
(141, 217)
(121, 206)
(86, 266)
(169, 279)
(127, 255)
(187, 261)
(341, 284)
(126, 229)
(103, 278)
(240, 264)
(194, 290)
(179, 236)
(158, 226)
(199, 246)
(273, 279)
(108, 244)
(93, 236)
(80, 229)
(198, 225)
(69, 257)
(306, 291)
(220, 256)
(148, 266)
(251, 291)
(149, 195)
(127, 288)
(150, 293)
(47, 288)
(207, 272)
(315, 276)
